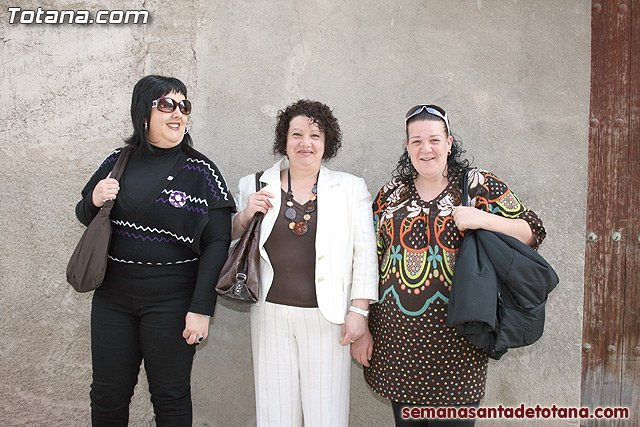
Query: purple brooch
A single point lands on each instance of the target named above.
(178, 199)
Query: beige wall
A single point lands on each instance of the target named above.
(513, 75)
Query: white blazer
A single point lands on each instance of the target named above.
(346, 252)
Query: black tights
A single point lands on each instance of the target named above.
(402, 422)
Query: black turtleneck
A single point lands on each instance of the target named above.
(147, 171)
(144, 174)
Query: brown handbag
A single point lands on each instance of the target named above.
(239, 277)
(88, 263)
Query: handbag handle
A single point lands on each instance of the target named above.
(116, 173)
(465, 188)
(121, 163)
(259, 185)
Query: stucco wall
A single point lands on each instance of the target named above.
(513, 75)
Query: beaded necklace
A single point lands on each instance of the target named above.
(300, 227)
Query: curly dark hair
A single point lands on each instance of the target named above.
(320, 115)
(455, 162)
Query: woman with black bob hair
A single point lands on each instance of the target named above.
(317, 272)
(171, 229)
(147, 90)
(410, 355)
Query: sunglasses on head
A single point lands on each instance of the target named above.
(168, 105)
(431, 109)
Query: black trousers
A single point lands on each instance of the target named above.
(400, 422)
(137, 320)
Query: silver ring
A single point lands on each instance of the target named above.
(200, 338)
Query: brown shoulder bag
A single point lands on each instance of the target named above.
(88, 263)
(239, 277)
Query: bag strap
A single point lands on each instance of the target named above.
(116, 173)
(121, 163)
(465, 188)
(259, 184)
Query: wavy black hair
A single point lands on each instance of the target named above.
(455, 162)
(147, 90)
(319, 114)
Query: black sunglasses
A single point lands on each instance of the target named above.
(168, 105)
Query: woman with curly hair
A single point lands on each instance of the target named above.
(410, 355)
(317, 272)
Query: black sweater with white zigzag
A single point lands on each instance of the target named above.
(173, 209)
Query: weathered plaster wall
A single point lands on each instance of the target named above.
(513, 75)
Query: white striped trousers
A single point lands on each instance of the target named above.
(300, 368)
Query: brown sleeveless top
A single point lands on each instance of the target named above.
(293, 259)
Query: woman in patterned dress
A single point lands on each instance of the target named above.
(410, 355)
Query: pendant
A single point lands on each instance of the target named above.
(290, 213)
(300, 228)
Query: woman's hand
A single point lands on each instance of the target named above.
(353, 328)
(362, 349)
(468, 218)
(196, 328)
(258, 202)
(104, 190)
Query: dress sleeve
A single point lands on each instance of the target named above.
(214, 244)
(490, 194)
(388, 196)
(378, 208)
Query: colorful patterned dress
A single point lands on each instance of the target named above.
(417, 359)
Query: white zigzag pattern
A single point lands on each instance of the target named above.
(152, 263)
(189, 197)
(220, 184)
(153, 230)
(117, 150)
